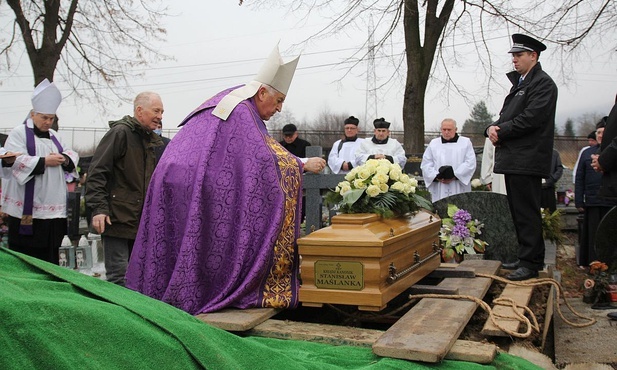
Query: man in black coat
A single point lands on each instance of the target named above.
(523, 138)
(292, 142)
(606, 161)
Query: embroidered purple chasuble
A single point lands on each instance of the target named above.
(221, 217)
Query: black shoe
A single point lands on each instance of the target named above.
(510, 266)
(612, 315)
(522, 273)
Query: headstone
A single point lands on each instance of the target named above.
(492, 210)
(606, 247)
(313, 185)
(73, 213)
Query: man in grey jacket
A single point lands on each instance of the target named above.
(118, 179)
(523, 138)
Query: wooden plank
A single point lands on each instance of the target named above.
(521, 295)
(428, 331)
(322, 333)
(548, 316)
(465, 350)
(462, 350)
(232, 319)
(432, 289)
(447, 272)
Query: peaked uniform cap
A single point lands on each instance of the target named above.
(522, 43)
(46, 98)
(273, 72)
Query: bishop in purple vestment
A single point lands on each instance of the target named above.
(221, 215)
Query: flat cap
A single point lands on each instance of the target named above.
(289, 129)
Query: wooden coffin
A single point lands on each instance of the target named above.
(365, 260)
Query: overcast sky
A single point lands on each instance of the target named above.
(218, 44)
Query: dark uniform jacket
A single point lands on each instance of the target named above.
(608, 157)
(527, 125)
(119, 175)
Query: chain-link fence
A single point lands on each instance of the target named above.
(84, 140)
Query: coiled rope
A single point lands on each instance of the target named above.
(529, 324)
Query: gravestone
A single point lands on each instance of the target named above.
(606, 246)
(313, 184)
(492, 210)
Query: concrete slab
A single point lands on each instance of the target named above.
(592, 344)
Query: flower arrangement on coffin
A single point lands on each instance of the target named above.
(378, 186)
(596, 288)
(459, 233)
(477, 185)
(551, 226)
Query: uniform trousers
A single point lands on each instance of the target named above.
(524, 193)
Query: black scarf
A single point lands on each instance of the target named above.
(379, 142)
(453, 140)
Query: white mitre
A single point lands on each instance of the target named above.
(273, 72)
(46, 98)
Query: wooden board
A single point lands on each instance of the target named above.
(428, 331)
(521, 295)
(462, 350)
(232, 319)
(445, 270)
(322, 333)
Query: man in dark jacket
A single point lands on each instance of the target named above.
(587, 200)
(523, 138)
(118, 180)
(606, 162)
(292, 142)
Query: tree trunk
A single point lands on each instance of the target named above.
(419, 62)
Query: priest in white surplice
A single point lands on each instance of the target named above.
(341, 158)
(448, 163)
(34, 194)
(381, 146)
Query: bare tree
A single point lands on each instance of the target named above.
(586, 123)
(438, 30)
(92, 44)
(330, 121)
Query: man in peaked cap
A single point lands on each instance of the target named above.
(34, 188)
(381, 146)
(341, 158)
(523, 140)
(222, 212)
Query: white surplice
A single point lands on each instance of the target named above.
(459, 155)
(392, 148)
(346, 154)
(50, 191)
(487, 176)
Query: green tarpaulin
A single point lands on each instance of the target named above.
(54, 318)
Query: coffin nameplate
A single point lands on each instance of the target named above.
(341, 275)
